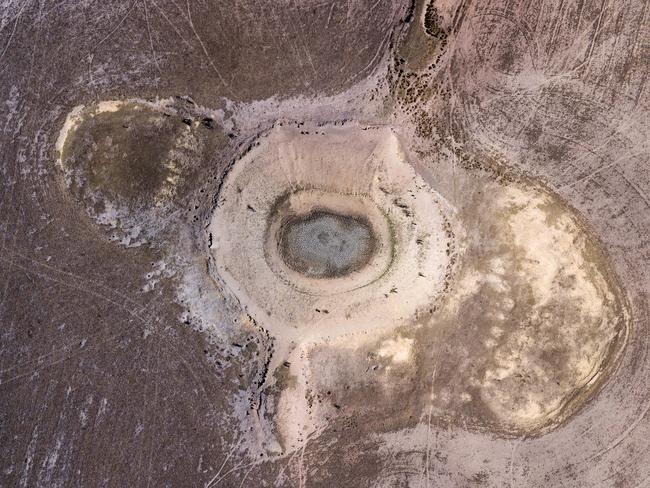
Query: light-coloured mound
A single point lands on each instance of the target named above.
(544, 358)
(354, 171)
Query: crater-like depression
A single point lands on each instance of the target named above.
(330, 232)
(323, 244)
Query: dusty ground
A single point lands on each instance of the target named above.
(127, 360)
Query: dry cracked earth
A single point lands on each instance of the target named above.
(307, 243)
